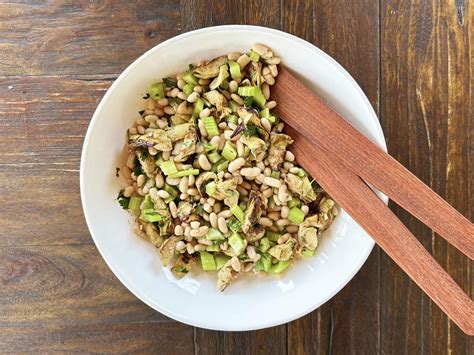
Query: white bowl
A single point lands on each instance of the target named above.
(248, 303)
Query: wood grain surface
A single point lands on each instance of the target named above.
(414, 60)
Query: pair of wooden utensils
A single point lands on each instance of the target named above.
(343, 161)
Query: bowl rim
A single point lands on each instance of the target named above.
(85, 151)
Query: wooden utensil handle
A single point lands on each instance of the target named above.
(324, 127)
(355, 197)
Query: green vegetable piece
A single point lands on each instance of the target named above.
(168, 167)
(188, 89)
(232, 119)
(207, 261)
(280, 267)
(189, 78)
(214, 157)
(264, 244)
(211, 126)
(198, 107)
(233, 105)
(272, 236)
(221, 260)
(234, 225)
(213, 248)
(229, 152)
(254, 56)
(265, 112)
(255, 93)
(223, 74)
(208, 147)
(170, 82)
(174, 102)
(134, 203)
(182, 173)
(122, 200)
(264, 264)
(148, 203)
(221, 165)
(214, 234)
(211, 188)
(172, 191)
(237, 243)
(151, 215)
(248, 101)
(157, 91)
(275, 174)
(234, 69)
(308, 253)
(294, 202)
(296, 215)
(237, 212)
(250, 131)
(272, 119)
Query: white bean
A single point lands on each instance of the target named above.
(250, 172)
(284, 212)
(213, 220)
(271, 182)
(183, 184)
(222, 225)
(236, 164)
(163, 194)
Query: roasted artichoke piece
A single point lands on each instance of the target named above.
(203, 179)
(151, 233)
(147, 163)
(232, 198)
(226, 275)
(255, 232)
(157, 138)
(301, 186)
(223, 74)
(188, 146)
(256, 145)
(256, 204)
(183, 265)
(255, 72)
(282, 252)
(178, 132)
(211, 69)
(277, 150)
(185, 209)
(218, 100)
(168, 250)
(225, 188)
(250, 118)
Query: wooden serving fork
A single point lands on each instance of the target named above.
(343, 160)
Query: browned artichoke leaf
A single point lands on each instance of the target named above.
(255, 73)
(183, 265)
(218, 100)
(151, 233)
(167, 250)
(282, 252)
(255, 206)
(178, 132)
(203, 179)
(185, 209)
(257, 147)
(147, 163)
(211, 69)
(188, 146)
(225, 188)
(156, 138)
(226, 275)
(301, 186)
(276, 153)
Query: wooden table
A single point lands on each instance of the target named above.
(57, 59)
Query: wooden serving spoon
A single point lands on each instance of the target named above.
(340, 158)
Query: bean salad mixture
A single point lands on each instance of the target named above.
(210, 178)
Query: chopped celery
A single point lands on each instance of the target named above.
(206, 103)
(237, 212)
(211, 188)
(294, 202)
(198, 107)
(207, 261)
(211, 126)
(302, 173)
(296, 215)
(157, 91)
(279, 267)
(234, 225)
(242, 205)
(148, 203)
(170, 82)
(246, 151)
(214, 157)
(221, 165)
(265, 113)
(219, 80)
(199, 209)
(188, 89)
(221, 260)
(213, 248)
(272, 236)
(272, 119)
(134, 203)
(275, 174)
(255, 93)
(308, 253)
(237, 243)
(232, 119)
(264, 264)
(168, 167)
(158, 161)
(189, 78)
(209, 147)
(229, 152)
(264, 244)
(172, 191)
(214, 234)
(234, 69)
(254, 56)
(151, 215)
(248, 101)
(182, 173)
(174, 102)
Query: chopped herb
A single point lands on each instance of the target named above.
(170, 82)
(144, 155)
(137, 170)
(248, 101)
(251, 131)
(174, 102)
(122, 200)
(199, 209)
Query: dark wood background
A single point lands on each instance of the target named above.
(414, 60)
